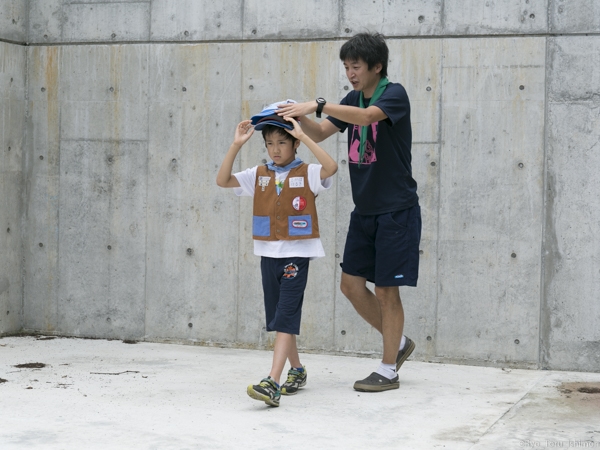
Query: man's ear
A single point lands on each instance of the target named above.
(378, 67)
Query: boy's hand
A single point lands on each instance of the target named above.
(297, 131)
(243, 132)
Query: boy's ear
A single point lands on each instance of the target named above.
(296, 144)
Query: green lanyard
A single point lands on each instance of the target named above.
(383, 82)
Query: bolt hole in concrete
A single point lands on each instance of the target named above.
(190, 325)
(428, 338)
(521, 87)
(521, 165)
(43, 89)
(30, 366)
(109, 247)
(513, 255)
(517, 341)
(41, 157)
(343, 332)
(421, 19)
(40, 244)
(190, 251)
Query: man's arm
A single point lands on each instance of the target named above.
(345, 113)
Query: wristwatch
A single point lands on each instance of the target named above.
(320, 104)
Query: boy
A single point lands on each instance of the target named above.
(383, 238)
(286, 234)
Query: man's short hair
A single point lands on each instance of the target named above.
(370, 47)
(270, 129)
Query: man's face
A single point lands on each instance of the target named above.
(359, 75)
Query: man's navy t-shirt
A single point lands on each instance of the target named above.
(384, 182)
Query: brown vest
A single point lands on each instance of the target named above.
(288, 216)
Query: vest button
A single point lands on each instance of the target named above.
(278, 231)
(278, 217)
(278, 203)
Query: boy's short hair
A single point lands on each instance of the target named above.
(370, 47)
(270, 129)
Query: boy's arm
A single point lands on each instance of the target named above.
(328, 165)
(345, 113)
(243, 132)
(318, 131)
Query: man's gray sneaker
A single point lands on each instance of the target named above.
(377, 383)
(403, 354)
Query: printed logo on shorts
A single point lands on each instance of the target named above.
(290, 270)
(299, 223)
(299, 203)
(399, 276)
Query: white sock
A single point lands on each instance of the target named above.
(387, 370)
(402, 342)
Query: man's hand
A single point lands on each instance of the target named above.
(297, 131)
(296, 109)
(243, 132)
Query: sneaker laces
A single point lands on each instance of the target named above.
(292, 375)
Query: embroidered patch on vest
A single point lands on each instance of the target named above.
(296, 182)
(290, 270)
(263, 182)
(299, 223)
(299, 203)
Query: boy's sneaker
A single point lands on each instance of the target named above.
(267, 391)
(403, 354)
(295, 380)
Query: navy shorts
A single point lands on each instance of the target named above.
(284, 281)
(384, 248)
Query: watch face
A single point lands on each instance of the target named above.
(320, 100)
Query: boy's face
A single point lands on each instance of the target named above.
(281, 148)
(361, 78)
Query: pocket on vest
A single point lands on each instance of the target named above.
(261, 226)
(299, 225)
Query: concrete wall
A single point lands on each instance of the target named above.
(12, 127)
(133, 103)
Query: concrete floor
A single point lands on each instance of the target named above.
(108, 394)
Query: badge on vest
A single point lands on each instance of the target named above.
(297, 182)
(299, 203)
(263, 182)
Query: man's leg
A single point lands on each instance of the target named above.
(364, 301)
(382, 310)
(392, 321)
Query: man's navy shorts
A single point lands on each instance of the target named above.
(284, 281)
(384, 248)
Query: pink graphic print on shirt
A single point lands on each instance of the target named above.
(369, 156)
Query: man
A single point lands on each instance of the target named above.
(382, 245)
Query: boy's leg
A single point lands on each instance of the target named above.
(294, 275)
(284, 343)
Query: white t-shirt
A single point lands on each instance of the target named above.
(305, 248)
